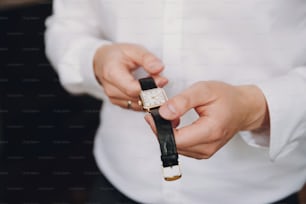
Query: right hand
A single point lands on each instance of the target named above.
(114, 65)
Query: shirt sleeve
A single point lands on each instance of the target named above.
(286, 98)
(72, 37)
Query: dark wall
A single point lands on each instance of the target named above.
(45, 133)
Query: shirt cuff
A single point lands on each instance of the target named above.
(90, 81)
(256, 139)
(76, 71)
(286, 100)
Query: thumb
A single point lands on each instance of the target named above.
(195, 96)
(144, 58)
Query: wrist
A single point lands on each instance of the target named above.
(255, 108)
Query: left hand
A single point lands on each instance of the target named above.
(114, 66)
(223, 110)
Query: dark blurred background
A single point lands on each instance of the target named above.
(46, 135)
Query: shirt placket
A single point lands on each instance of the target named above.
(172, 33)
(172, 48)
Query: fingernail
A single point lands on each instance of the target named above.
(162, 82)
(156, 65)
(168, 112)
(147, 118)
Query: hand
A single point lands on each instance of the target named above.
(223, 110)
(114, 66)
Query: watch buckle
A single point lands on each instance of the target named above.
(172, 173)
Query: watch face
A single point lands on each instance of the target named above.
(153, 98)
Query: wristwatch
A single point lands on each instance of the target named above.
(151, 98)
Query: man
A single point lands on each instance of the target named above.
(240, 65)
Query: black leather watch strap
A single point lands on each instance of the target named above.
(169, 156)
(147, 83)
(166, 140)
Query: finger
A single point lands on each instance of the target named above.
(160, 81)
(189, 146)
(142, 57)
(115, 85)
(202, 131)
(201, 151)
(119, 98)
(190, 154)
(196, 95)
(119, 72)
(113, 92)
(118, 75)
(149, 119)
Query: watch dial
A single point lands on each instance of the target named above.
(153, 97)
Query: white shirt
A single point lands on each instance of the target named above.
(260, 42)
